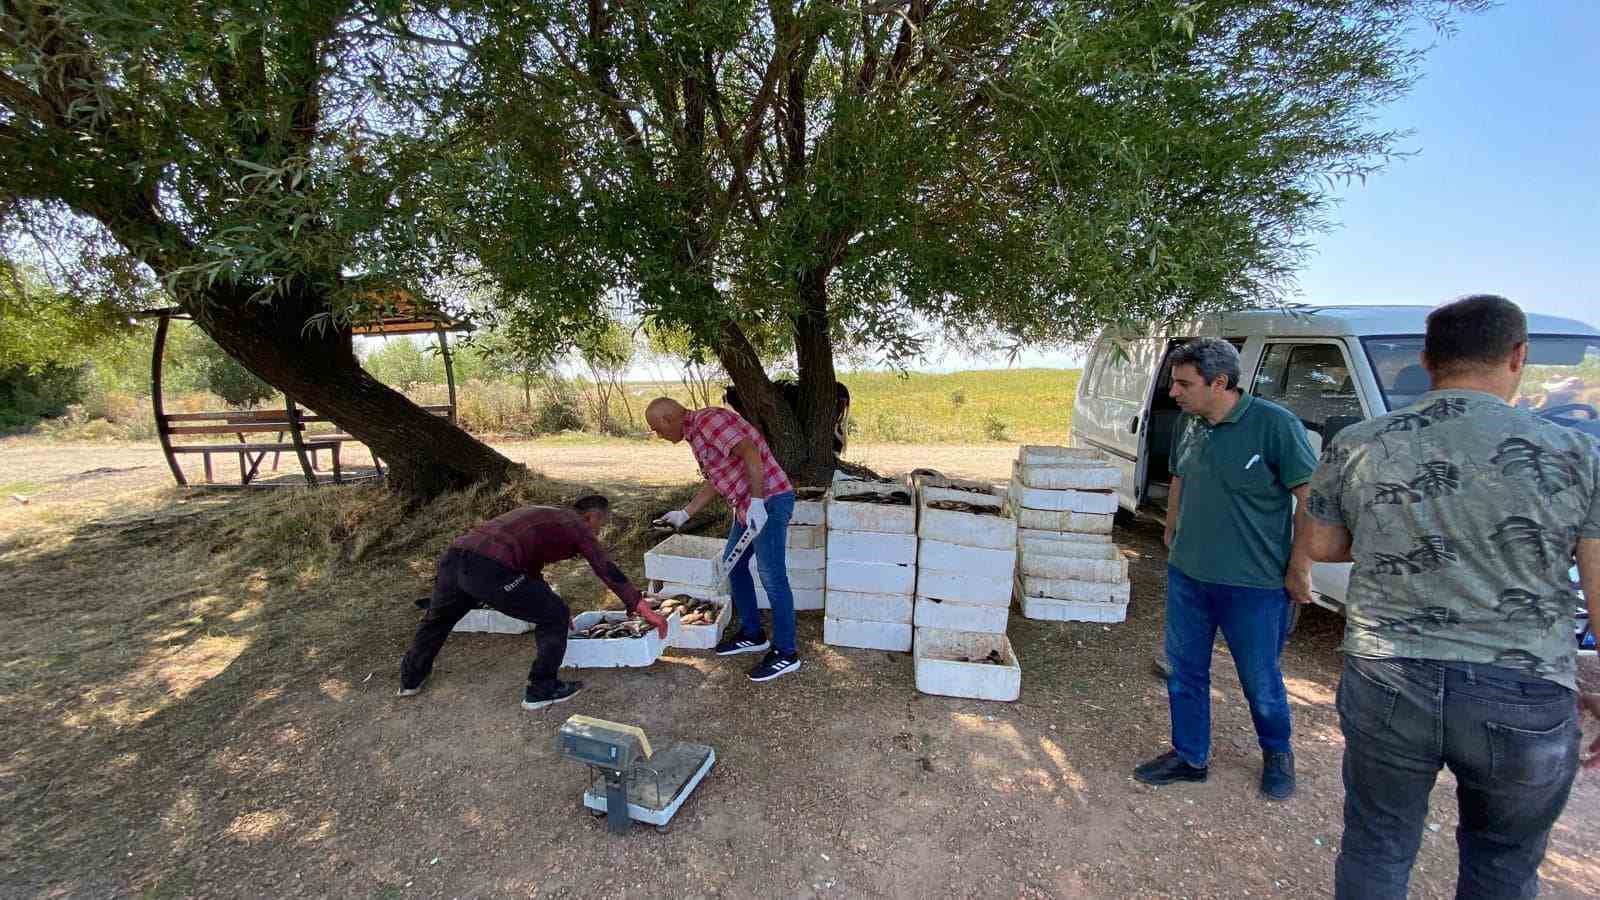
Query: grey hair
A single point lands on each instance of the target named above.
(1210, 357)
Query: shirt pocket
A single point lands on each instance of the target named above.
(1254, 478)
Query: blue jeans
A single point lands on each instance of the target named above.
(771, 555)
(1255, 622)
(1512, 742)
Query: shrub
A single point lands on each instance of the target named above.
(958, 397)
(556, 413)
(994, 427)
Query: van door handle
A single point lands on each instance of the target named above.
(1133, 427)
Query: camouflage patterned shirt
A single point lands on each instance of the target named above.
(1464, 514)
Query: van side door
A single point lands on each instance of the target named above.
(1110, 412)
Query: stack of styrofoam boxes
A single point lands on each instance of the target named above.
(965, 566)
(872, 567)
(1068, 570)
(806, 553)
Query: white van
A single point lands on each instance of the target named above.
(1332, 366)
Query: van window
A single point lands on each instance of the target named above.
(1125, 370)
(1314, 382)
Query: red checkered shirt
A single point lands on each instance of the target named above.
(712, 433)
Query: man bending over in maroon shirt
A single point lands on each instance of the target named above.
(500, 564)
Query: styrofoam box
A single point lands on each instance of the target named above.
(799, 579)
(969, 529)
(846, 516)
(809, 512)
(1098, 476)
(804, 559)
(871, 578)
(867, 546)
(938, 556)
(698, 591)
(702, 637)
(981, 589)
(806, 537)
(1067, 543)
(1044, 454)
(1102, 503)
(1055, 520)
(866, 635)
(491, 621)
(985, 498)
(939, 671)
(1110, 570)
(845, 487)
(685, 559)
(1072, 589)
(869, 607)
(1050, 610)
(805, 599)
(954, 616)
(612, 653)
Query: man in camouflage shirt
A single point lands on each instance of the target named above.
(1462, 515)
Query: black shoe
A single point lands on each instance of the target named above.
(412, 690)
(741, 644)
(564, 691)
(775, 665)
(1277, 775)
(1168, 768)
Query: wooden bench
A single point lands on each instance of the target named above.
(251, 453)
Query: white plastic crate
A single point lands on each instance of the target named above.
(940, 670)
(954, 616)
(491, 621)
(942, 557)
(988, 590)
(867, 546)
(611, 653)
(1078, 476)
(1114, 571)
(866, 635)
(968, 529)
(878, 517)
(1050, 610)
(869, 607)
(685, 559)
(871, 578)
(806, 537)
(1057, 520)
(1072, 589)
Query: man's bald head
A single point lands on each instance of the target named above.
(665, 417)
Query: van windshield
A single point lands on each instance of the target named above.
(1562, 380)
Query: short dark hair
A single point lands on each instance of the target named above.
(1479, 330)
(591, 502)
(1210, 357)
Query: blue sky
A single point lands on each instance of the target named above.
(1503, 194)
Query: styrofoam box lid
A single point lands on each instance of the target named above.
(689, 546)
(930, 494)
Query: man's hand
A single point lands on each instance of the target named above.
(654, 618)
(1297, 581)
(675, 519)
(756, 515)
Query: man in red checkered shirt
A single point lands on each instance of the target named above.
(738, 464)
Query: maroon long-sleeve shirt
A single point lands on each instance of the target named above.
(530, 538)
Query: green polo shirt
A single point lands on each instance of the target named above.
(1236, 515)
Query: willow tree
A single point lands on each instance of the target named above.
(842, 173)
(231, 154)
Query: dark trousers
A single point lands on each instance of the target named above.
(1512, 742)
(1255, 623)
(464, 580)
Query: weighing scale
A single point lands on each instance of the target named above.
(628, 781)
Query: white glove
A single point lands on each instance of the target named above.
(756, 515)
(677, 519)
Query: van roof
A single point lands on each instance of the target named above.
(1350, 321)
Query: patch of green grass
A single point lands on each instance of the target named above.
(20, 487)
(1023, 405)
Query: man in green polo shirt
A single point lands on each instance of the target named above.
(1238, 463)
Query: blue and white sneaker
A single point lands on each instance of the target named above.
(775, 665)
(741, 644)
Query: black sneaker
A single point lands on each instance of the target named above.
(413, 690)
(775, 665)
(742, 644)
(1168, 768)
(564, 691)
(1277, 775)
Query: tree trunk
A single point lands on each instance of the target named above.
(819, 397)
(792, 443)
(318, 368)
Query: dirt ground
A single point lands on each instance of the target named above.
(174, 732)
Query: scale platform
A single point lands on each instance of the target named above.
(659, 785)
